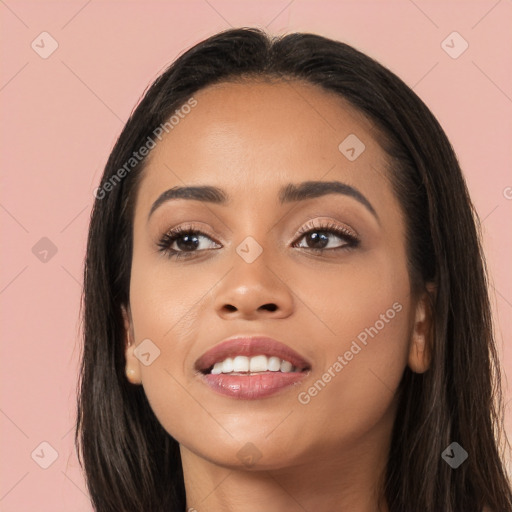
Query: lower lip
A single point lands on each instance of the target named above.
(252, 387)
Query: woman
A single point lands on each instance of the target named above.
(285, 299)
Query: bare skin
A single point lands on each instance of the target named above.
(320, 451)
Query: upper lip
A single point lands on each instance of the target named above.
(250, 346)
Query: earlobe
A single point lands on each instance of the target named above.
(132, 368)
(421, 343)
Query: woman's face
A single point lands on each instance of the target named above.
(257, 268)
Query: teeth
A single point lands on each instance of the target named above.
(240, 364)
(227, 365)
(286, 366)
(258, 364)
(217, 368)
(274, 364)
(255, 364)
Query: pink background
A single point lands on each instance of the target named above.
(61, 116)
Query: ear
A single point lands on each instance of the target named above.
(132, 369)
(421, 343)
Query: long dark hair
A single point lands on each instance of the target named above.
(132, 464)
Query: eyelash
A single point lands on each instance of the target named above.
(171, 236)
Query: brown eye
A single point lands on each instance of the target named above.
(322, 237)
(183, 242)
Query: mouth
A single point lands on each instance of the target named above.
(251, 367)
(243, 365)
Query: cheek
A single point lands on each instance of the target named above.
(165, 299)
(367, 297)
(367, 310)
(355, 392)
(166, 306)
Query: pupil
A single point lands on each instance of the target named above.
(189, 242)
(315, 237)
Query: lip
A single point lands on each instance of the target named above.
(250, 346)
(251, 386)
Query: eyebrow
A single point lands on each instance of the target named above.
(288, 194)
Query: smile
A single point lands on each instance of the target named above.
(255, 364)
(251, 368)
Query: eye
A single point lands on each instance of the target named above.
(320, 236)
(182, 242)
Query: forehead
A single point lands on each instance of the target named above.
(253, 137)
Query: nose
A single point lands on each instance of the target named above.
(254, 291)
